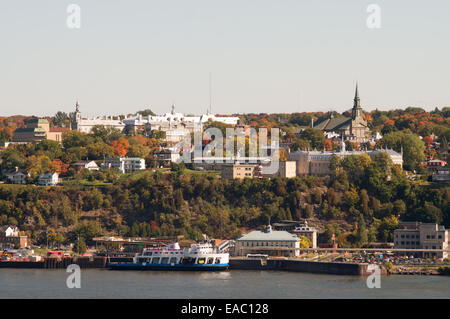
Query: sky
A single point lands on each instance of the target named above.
(277, 56)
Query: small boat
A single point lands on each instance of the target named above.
(203, 257)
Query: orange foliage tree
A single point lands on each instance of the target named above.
(120, 146)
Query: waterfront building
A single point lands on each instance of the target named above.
(269, 242)
(417, 235)
(10, 237)
(124, 164)
(352, 128)
(299, 228)
(38, 130)
(48, 179)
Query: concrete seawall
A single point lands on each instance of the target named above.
(300, 266)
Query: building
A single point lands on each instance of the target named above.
(269, 242)
(17, 176)
(167, 156)
(317, 163)
(299, 228)
(89, 165)
(416, 235)
(84, 124)
(38, 130)
(124, 164)
(350, 128)
(240, 170)
(48, 179)
(435, 165)
(286, 169)
(10, 238)
(175, 121)
(442, 175)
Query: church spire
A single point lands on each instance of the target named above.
(357, 110)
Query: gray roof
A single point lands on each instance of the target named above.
(272, 235)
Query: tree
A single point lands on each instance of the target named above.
(100, 150)
(61, 119)
(413, 147)
(304, 242)
(120, 146)
(146, 112)
(361, 234)
(314, 137)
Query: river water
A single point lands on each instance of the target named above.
(103, 283)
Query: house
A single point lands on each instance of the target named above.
(17, 176)
(89, 165)
(167, 155)
(268, 242)
(48, 179)
(435, 165)
(10, 238)
(124, 164)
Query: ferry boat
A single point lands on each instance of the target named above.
(172, 257)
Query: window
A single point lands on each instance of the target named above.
(211, 260)
(218, 260)
(173, 260)
(155, 260)
(201, 261)
(165, 260)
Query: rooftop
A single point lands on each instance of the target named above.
(269, 235)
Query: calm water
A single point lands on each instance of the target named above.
(40, 283)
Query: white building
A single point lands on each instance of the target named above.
(89, 165)
(124, 164)
(317, 163)
(84, 124)
(48, 179)
(176, 121)
(269, 242)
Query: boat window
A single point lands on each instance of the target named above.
(210, 260)
(155, 260)
(218, 260)
(173, 260)
(165, 260)
(188, 260)
(142, 260)
(201, 260)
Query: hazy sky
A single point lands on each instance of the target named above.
(264, 56)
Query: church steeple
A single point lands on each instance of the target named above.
(357, 110)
